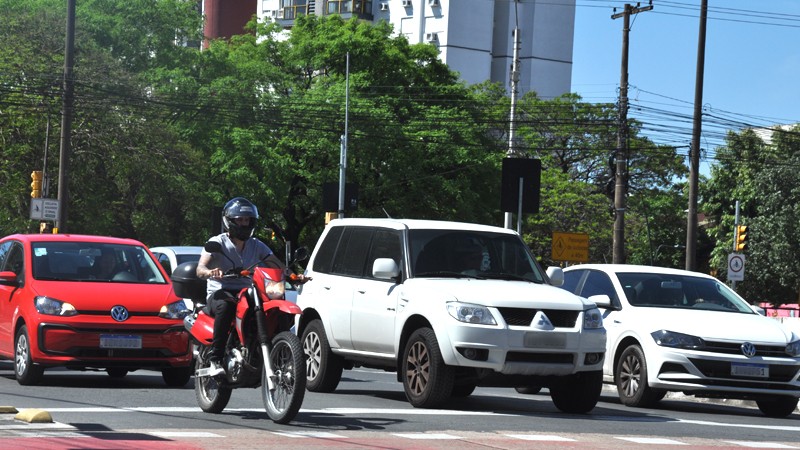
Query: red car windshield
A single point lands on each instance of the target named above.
(92, 261)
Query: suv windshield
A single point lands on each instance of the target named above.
(451, 253)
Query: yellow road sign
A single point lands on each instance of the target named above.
(570, 247)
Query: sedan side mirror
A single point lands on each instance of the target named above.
(8, 279)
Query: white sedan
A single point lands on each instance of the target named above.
(675, 330)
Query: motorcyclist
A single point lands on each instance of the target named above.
(239, 250)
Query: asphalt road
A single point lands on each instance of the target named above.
(368, 410)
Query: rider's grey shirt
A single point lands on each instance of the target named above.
(254, 251)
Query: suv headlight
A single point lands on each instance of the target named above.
(475, 314)
(672, 339)
(793, 348)
(592, 319)
(53, 307)
(175, 310)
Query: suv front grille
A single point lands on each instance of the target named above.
(522, 317)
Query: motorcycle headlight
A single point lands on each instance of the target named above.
(474, 314)
(53, 307)
(666, 338)
(793, 348)
(592, 319)
(175, 310)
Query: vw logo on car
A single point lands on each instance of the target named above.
(119, 313)
(748, 349)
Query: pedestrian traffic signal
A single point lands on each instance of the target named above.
(741, 238)
(36, 183)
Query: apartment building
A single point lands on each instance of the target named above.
(474, 37)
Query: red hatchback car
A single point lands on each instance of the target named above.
(89, 303)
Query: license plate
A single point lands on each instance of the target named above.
(545, 339)
(120, 341)
(750, 370)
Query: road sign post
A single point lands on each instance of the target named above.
(735, 267)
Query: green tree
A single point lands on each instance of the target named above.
(762, 176)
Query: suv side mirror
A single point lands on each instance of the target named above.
(556, 276)
(385, 269)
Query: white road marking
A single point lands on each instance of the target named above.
(754, 444)
(738, 425)
(438, 436)
(309, 434)
(540, 437)
(650, 441)
(184, 434)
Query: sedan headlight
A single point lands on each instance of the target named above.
(793, 348)
(53, 307)
(672, 339)
(176, 310)
(475, 314)
(592, 319)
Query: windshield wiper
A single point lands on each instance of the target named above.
(510, 276)
(445, 274)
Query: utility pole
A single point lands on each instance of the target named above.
(621, 172)
(512, 151)
(66, 120)
(343, 151)
(694, 150)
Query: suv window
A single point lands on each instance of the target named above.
(385, 244)
(351, 257)
(324, 260)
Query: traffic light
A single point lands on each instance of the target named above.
(36, 183)
(741, 238)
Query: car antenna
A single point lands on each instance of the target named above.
(387, 214)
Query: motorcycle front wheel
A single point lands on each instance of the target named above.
(211, 397)
(289, 378)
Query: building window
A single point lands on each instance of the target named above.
(359, 7)
(294, 8)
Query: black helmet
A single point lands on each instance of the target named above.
(235, 209)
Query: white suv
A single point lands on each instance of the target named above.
(448, 306)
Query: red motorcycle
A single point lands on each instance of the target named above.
(261, 351)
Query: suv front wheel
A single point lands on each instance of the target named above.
(323, 367)
(427, 380)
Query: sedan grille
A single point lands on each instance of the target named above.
(722, 369)
(734, 348)
(522, 317)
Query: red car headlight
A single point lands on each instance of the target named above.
(53, 307)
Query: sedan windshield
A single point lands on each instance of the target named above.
(93, 261)
(678, 291)
(472, 254)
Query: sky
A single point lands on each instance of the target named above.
(751, 72)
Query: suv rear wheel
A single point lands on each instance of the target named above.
(427, 380)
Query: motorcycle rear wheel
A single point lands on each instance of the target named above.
(289, 367)
(211, 397)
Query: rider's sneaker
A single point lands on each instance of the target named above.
(215, 368)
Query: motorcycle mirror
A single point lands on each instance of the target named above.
(213, 247)
(301, 254)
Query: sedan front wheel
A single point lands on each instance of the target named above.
(25, 370)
